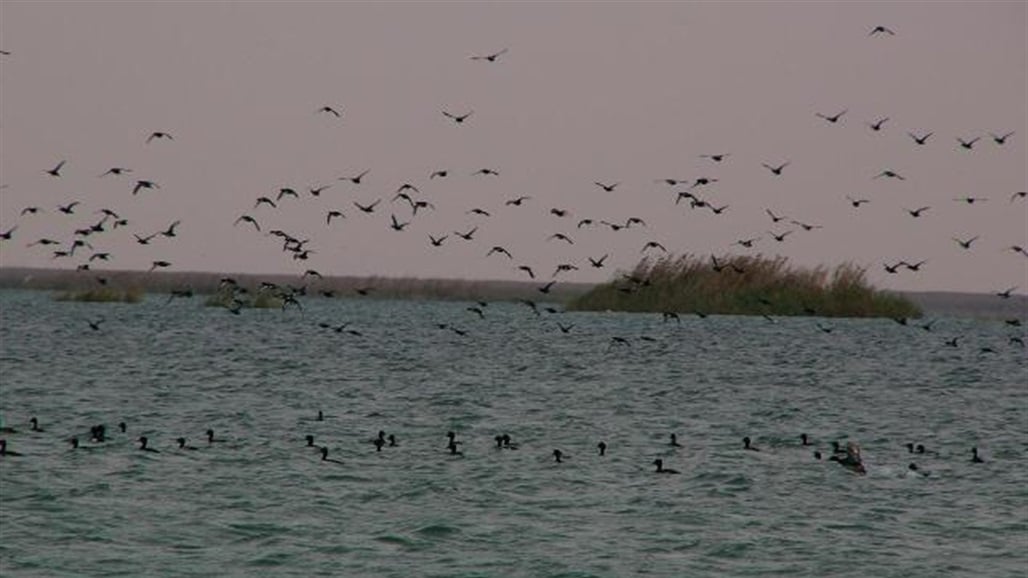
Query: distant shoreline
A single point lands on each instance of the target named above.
(933, 303)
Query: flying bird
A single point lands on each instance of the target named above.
(517, 202)
(116, 171)
(329, 110)
(397, 225)
(459, 119)
(56, 171)
(881, 30)
(143, 184)
(877, 125)
(857, 202)
(832, 119)
(159, 265)
(264, 200)
(158, 135)
(490, 57)
(486, 172)
(920, 139)
(890, 174)
(598, 263)
(68, 209)
(367, 208)
(357, 179)
(437, 242)
(248, 219)
(466, 236)
(776, 170)
(501, 250)
(561, 237)
(716, 158)
(968, 144)
(1001, 139)
(609, 188)
(333, 215)
(653, 245)
(170, 231)
(966, 243)
(917, 212)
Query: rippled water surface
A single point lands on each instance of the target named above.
(260, 503)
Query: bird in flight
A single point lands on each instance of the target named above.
(832, 119)
(517, 202)
(968, 144)
(316, 191)
(857, 202)
(143, 184)
(890, 174)
(598, 263)
(920, 139)
(609, 188)
(653, 245)
(1013, 197)
(332, 215)
(881, 30)
(158, 135)
(367, 208)
(917, 212)
(774, 218)
(56, 171)
(7, 235)
(776, 170)
(561, 237)
(971, 200)
(68, 209)
(966, 243)
(159, 265)
(170, 231)
(486, 172)
(116, 171)
(490, 57)
(716, 158)
(877, 125)
(1001, 139)
(780, 238)
(248, 219)
(264, 200)
(501, 250)
(440, 174)
(466, 236)
(437, 242)
(397, 225)
(459, 119)
(329, 110)
(357, 179)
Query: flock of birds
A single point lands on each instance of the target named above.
(400, 210)
(847, 455)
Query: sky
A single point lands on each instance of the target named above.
(585, 92)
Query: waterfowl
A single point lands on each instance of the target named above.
(142, 445)
(661, 469)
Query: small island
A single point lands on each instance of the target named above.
(743, 285)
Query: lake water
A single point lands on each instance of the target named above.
(260, 503)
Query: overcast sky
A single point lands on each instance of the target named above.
(625, 93)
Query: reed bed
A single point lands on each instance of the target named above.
(743, 285)
(102, 295)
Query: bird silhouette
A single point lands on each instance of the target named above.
(920, 139)
(9, 233)
(971, 200)
(653, 245)
(561, 237)
(489, 57)
(397, 225)
(966, 243)
(597, 263)
(878, 124)
(833, 118)
(367, 208)
(170, 231)
(477, 211)
(517, 202)
(143, 184)
(1001, 139)
(56, 171)
(774, 218)
(527, 269)
(333, 215)
(776, 170)
(158, 135)
(329, 110)
(247, 219)
(609, 188)
(1013, 197)
(316, 191)
(779, 238)
(438, 174)
(437, 242)
(68, 209)
(458, 118)
(488, 172)
(116, 171)
(716, 158)
(917, 212)
(857, 202)
(968, 144)
(357, 179)
(881, 30)
(466, 236)
(501, 250)
(890, 174)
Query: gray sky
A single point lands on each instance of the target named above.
(612, 92)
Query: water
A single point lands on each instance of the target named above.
(260, 503)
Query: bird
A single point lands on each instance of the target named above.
(248, 219)
(489, 57)
(158, 135)
(486, 172)
(653, 245)
(661, 469)
(774, 218)
(1001, 139)
(397, 225)
(357, 179)
(597, 263)
(266, 201)
(8, 234)
(56, 171)
(776, 170)
(565, 328)
(159, 265)
(170, 231)
(68, 209)
(517, 202)
(559, 212)
(30, 211)
(608, 188)
(459, 119)
(116, 171)
(968, 144)
(779, 238)
(857, 202)
(545, 289)
(877, 125)
(920, 140)
(561, 237)
(805, 226)
(287, 192)
(971, 200)
(438, 174)
(329, 110)
(1006, 294)
(437, 242)
(466, 236)
(367, 208)
(890, 174)
(144, 240)
(747, 243)
(477, 211)
(527, 269)
(144, 184)
(95, 325)
(333, 215)
(1013, 197)
(881, 30)
(316, 191)
(500, 250)
(833, 118)
(966, 243)
(716, 158)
